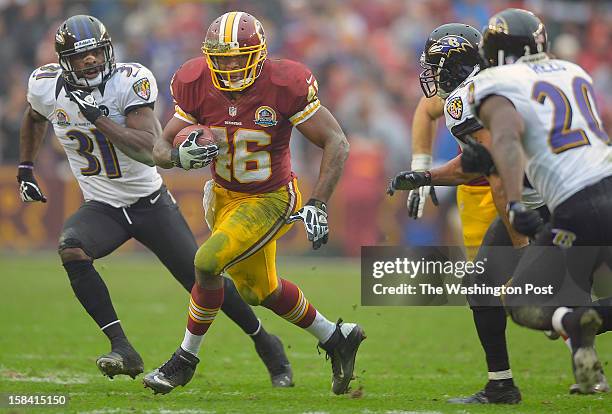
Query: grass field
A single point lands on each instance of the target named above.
(413, 360)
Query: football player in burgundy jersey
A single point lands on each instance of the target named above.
(102, 114)
(251, 103)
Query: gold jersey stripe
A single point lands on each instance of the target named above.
(182, 115)
(306, 113)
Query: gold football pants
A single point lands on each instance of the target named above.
(244, 229)
(477, 211)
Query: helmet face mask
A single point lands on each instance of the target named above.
(235, 50)
(73, 45)
(450, 56)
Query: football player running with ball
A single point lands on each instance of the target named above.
(102, 114)
(251, 104)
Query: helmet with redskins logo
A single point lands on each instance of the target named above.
(79, 34)
(235, 50)
(512, 34)
(450, 56)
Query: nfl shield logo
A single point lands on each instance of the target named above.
(232, 111)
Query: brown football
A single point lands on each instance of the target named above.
(205, 138)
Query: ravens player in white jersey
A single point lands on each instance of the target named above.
(451, 60)
(543, 121)
(102, 114)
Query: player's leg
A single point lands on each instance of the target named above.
(568, 271)
(477, 211)
(243, 225)
(256, 279)
(238, 223)
(94, 231)
(490, 318)
(154, 226)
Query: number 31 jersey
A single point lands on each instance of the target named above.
(564, 141)
(104, 173)
(253, 131)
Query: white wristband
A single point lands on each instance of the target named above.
(421, 162)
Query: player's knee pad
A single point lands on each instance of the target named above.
(71, 250)
(530, 316)
(206, 262)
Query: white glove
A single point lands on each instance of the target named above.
(417, 197)
(191, 155)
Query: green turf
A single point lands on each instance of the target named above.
(412, 361)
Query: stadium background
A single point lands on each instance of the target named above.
(365, 56)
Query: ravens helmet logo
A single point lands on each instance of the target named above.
(450, 44)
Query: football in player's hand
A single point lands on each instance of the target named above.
(205, 138)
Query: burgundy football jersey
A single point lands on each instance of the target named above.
(254, 130)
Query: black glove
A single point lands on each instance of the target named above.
(524, 220)
(409, 180)
(29, 190)
(475, 158)
(314, 216)
(86, 102)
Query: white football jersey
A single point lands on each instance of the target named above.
(461, 122)
(104, 173)
(565, 144)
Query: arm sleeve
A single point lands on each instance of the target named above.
(40, 96)
(304, 96)
(177, 91)
(140, 90)
(492, 82)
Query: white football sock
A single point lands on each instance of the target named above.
(557, 319)
(321, 328)
(192, 343)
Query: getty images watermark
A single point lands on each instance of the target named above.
(441, 275)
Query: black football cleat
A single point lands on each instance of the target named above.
(495, 392)
(270, 350)
(342, 348)
(582, 326)
(121, 360)
(177, 371)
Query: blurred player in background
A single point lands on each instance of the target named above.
(102, 114)
(251, 103)
(543, 121)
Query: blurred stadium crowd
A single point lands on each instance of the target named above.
(363, 52)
